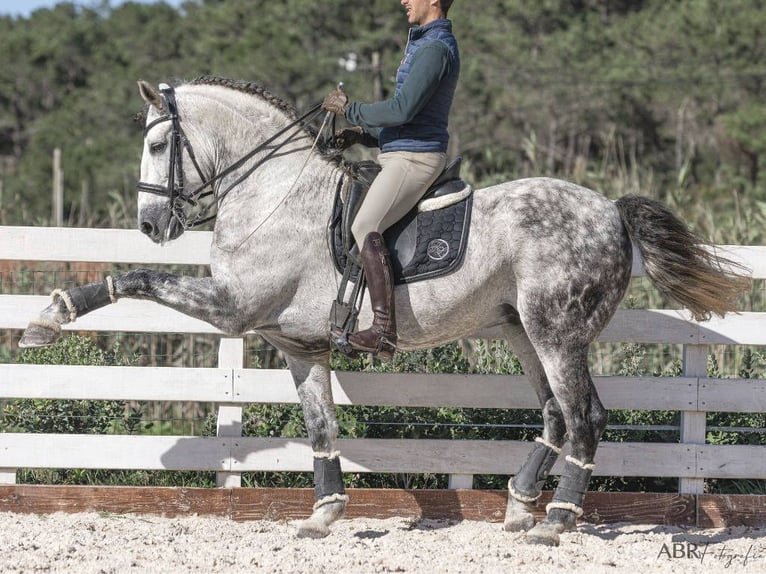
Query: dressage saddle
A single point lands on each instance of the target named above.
(428, 242)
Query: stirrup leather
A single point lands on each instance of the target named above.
(345, 309)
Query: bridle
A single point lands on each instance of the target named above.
(176, 191)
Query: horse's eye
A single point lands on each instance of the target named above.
(157, 147)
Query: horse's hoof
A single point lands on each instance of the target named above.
(518, 515)
(39, 335)
(545, 534)
(519, 523)
(325, 513)
(313, 529)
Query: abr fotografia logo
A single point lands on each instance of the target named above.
(706, 552)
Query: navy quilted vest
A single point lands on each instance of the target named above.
(427, 132)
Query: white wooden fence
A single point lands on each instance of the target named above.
(231, 386)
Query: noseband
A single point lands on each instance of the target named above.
(175, 189)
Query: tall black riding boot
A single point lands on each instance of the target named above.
(380, 338)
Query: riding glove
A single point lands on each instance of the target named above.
(336, 102)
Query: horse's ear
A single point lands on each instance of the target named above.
(149, 94)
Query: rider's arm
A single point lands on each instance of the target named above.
(429, 65)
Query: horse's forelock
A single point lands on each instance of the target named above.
(141, 116)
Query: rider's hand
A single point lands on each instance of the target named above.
(336, 102)
(347, 137)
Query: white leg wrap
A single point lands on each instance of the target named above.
(565, 506)
(328, 455)
(520, 497)
(582, 465)
(329, 500)
(544, 442)
(110, 287)
(67, 301)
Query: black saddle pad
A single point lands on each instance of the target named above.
(423, 244)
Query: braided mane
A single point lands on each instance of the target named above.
(253, 89)
(250, 88)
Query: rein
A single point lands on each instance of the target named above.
(175, 190)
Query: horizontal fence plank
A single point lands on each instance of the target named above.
(731, 461)
(245, 504)
(19, 243)
(116, 383)
(467, 391)
(349, 388)
(675, 327)
(246, 454)
(634, 325)
(21, 450)
(163, 501)
(732, 395)
(101, 245)
(751, 257)
(275, 386)
(721, 511)
(457, 456)
(357, 455)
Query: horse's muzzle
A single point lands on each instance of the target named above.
(159, 226)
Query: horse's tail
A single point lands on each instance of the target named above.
(680, 263)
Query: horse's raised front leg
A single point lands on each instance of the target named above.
(586, 420)
(312, 380)
(525, 488)
(201, 298)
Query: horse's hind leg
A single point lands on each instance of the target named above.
(312, 380)
(585, 419)
(525, 487)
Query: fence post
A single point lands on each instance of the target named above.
(58, 189)
(693, 423)
(231, 355)
(460, 481)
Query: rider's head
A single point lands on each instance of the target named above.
(421, 12)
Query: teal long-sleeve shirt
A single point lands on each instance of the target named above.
(430, 64)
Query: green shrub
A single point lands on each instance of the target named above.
(72, 416)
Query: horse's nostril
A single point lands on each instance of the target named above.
(147, 228)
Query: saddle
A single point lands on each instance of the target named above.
(428, 242)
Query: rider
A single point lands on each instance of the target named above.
(411, 131)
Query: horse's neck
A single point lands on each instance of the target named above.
(284, 206)
(281, 207)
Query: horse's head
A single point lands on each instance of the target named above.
(175, 181)
(164, 198)
(159, 171)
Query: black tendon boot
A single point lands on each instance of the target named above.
(570, 493)
(380, 338)
(567, 504)
(527, 485)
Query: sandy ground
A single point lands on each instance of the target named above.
(105, 543)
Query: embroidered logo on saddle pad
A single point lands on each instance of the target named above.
(428, 242)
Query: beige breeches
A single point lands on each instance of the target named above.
(402, 181)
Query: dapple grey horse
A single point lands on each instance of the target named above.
(546, 260)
